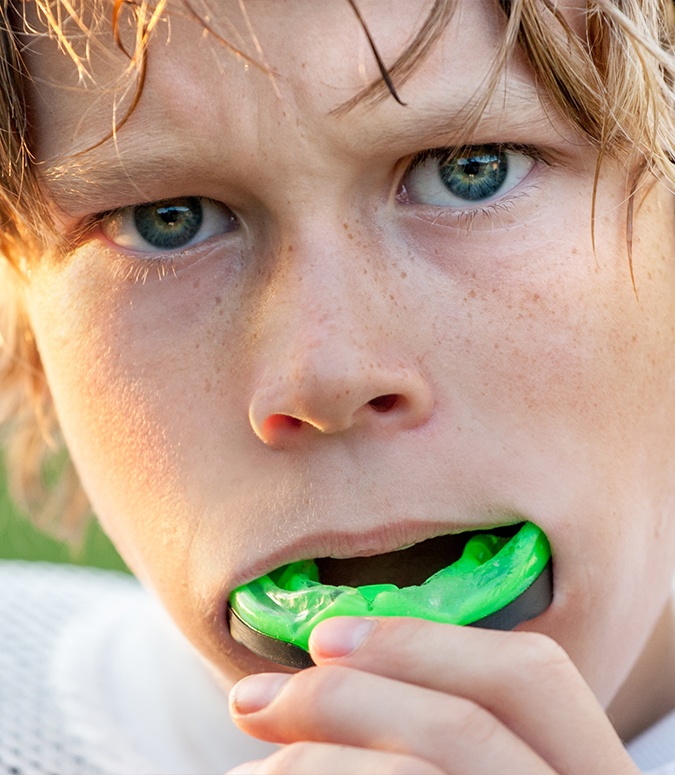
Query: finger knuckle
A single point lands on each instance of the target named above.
(473, 723)
(539, 656)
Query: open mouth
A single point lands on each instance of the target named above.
(495, 578)
(407, 567)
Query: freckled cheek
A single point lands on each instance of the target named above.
(517, 347)
(547, 327)
(583, 371)
(138, 373)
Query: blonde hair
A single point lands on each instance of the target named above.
(614, 83)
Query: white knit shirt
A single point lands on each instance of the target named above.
(96, 680)
(654, 750)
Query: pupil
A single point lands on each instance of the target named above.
(169, 224)
(477, 176)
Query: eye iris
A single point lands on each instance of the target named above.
(169, 224)
(477, 176)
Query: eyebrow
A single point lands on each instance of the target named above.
(97, 180)
(103, 178)
(522, 113)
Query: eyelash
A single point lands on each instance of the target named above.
(466, 217)
(535, 152)
(160, 265)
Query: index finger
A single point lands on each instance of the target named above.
(525, 679)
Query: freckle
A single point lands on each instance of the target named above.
(472, 294)
(219, 300)
(197, 346)
(350, 236)
(345, 226)
(365, 271)
(403, 275)
(207, 387)
(196, 283)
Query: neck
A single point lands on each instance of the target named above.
(649, 691)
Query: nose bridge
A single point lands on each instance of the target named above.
(321, 311)
(330, 353)
(327, 294)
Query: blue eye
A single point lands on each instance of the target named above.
(169, 224)
(474, 175)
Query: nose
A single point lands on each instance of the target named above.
(330, 397)
(334, 359)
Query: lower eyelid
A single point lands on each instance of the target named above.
(503, 213)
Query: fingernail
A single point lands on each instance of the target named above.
(340, 636)
(255, 692)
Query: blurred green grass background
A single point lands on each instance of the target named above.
(20, 540)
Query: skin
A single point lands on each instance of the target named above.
(224, 404)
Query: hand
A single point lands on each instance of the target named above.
(411, 696)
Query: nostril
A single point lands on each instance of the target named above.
(279, 422)
(384, 403)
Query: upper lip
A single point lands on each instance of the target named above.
(379, 540)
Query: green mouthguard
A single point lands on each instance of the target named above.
(492, 572)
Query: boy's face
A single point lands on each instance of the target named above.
(360, 347)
